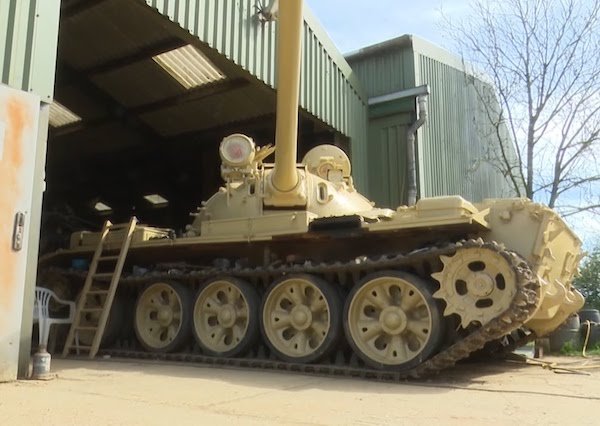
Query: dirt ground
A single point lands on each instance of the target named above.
(115, 392)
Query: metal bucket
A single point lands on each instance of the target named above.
(41, 366)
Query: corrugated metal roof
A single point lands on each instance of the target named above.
(61, 116)
(111, 29)
(242, 104)
(28, 39)
(107, 49)
(189, 66)
(124, 66)
(329, 88)
(139, 83)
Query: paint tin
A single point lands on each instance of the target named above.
(41, 365)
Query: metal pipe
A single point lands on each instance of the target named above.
(289, 46)
(410, 149)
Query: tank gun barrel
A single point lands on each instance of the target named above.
(289, 49)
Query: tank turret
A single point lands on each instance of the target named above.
(321, 185)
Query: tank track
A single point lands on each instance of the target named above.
(511, 342)
(521, 307)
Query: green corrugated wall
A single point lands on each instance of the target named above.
(386, 72)
(451, 148)
(329, 88)
(387, 152)
(453, 145)
(28, 40)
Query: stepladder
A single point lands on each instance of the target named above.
(99, 289)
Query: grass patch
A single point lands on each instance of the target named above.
(569, 349)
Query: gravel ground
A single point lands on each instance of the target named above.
(116, 392)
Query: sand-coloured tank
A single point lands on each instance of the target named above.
(287, 263)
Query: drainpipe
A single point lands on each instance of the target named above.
(420, 93)
(410, 149)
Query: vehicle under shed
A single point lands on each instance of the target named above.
(145, 90)
(145, 93)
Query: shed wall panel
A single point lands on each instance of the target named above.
(389, 72)
(28, 42)
(387, 155)
(384, 167)
(453, 146)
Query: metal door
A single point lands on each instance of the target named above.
(387, 160)
(19, 116)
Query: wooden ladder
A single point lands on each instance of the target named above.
(94, 287)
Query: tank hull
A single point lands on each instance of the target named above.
(346, 251)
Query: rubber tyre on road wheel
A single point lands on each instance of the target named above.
(323, 324)
(237, 295)
(175, 314)
(396, 309)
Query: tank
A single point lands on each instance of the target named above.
(287, 266)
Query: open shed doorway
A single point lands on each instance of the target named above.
(141, 106)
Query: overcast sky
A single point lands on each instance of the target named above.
(353, 24)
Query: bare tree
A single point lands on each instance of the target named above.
(542, 61)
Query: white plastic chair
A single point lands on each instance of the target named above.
(41, 313)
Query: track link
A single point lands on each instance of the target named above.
(521, 307)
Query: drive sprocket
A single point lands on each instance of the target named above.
(477, 284)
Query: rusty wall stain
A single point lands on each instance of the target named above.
(18, 119)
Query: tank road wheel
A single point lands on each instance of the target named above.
(301, 318)
(392, 321)
(163, 317)
(477, 284)
(226, 317)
